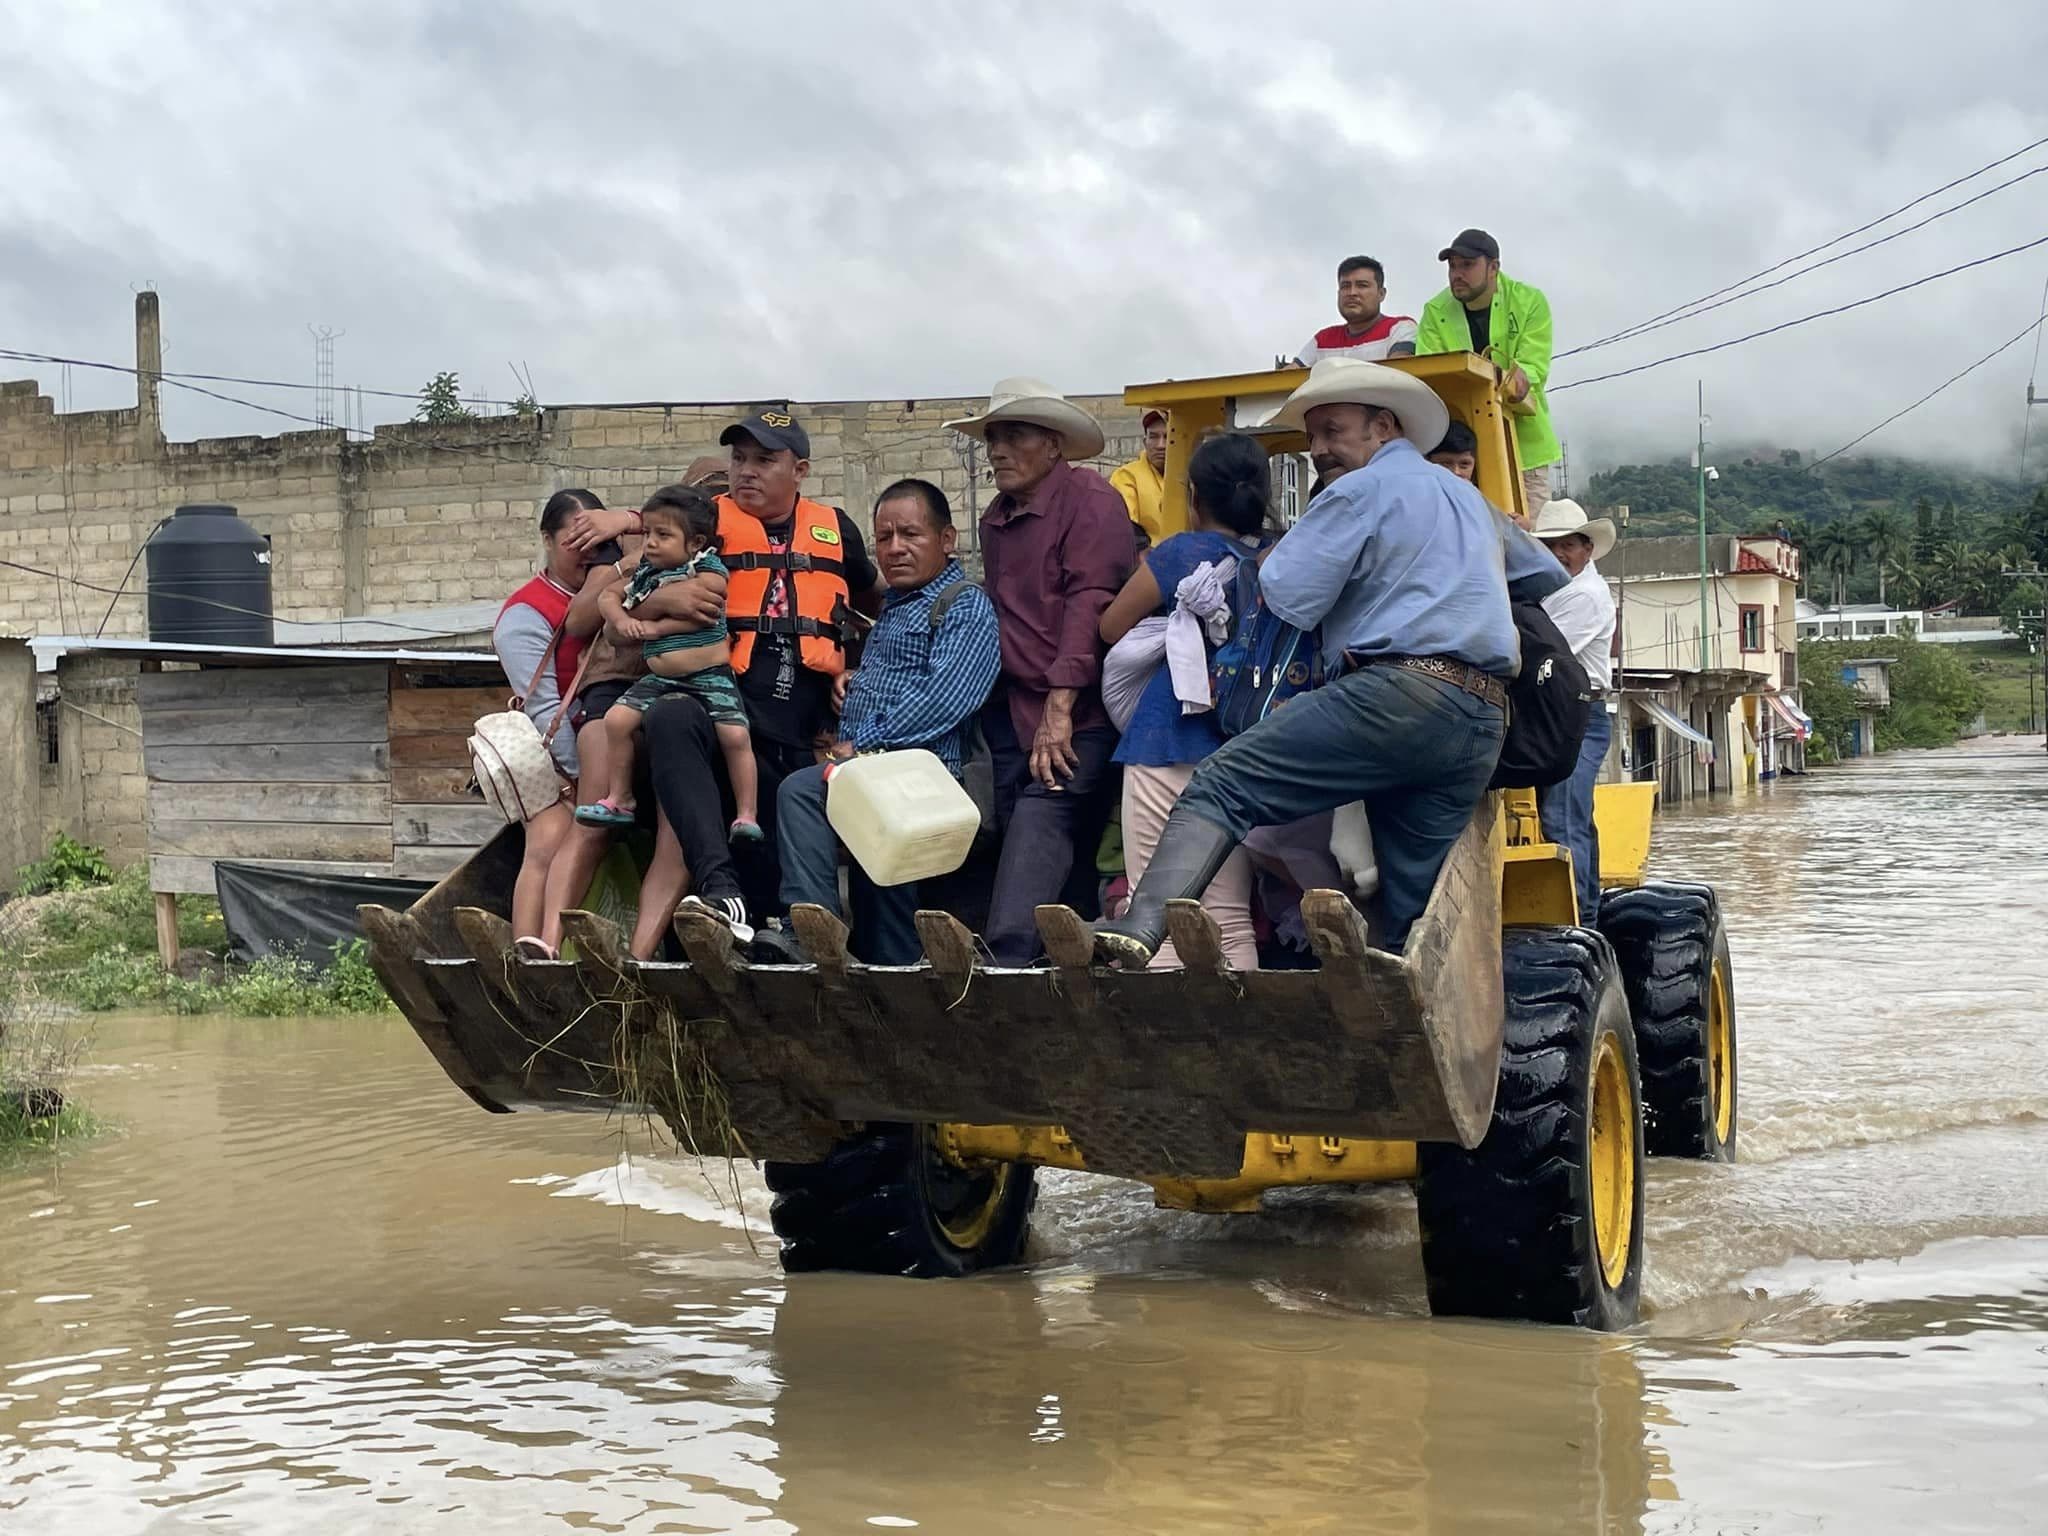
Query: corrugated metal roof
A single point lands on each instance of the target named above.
(48, 648)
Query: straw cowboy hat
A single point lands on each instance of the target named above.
(1037, 403)
(1353, 381)
(1561, 519)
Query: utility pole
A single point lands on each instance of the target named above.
(1699, 464)
(2033, 628)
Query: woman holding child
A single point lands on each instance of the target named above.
(616, 665)
(541, 656)
(1187, 579)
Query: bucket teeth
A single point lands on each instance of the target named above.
(1334, 927)
(1196, 938)
(822, 935)
(600, 948)
(488, 937)
(1068, 943)
(948, 946)
(708, 942)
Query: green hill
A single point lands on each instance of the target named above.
(1925, 533)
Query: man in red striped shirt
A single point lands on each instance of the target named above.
(1366, 333)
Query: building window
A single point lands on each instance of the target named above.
(1752, 626)
(46, 729)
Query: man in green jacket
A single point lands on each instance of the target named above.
(1486, 311)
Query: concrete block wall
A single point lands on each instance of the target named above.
(100, 796)
(417, 517)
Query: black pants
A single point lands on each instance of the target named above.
(1049, 838)
(688, 774)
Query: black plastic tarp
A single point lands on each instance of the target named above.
(271, 911)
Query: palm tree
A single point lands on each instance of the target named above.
(1959, 569)
(1885, 537)
(1909, 588)
(1834, 549)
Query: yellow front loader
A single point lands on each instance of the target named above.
(1516, 1063)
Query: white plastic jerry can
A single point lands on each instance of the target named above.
(902, 816)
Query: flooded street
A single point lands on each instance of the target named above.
(306, 1285)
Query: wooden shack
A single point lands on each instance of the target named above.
(332, 762)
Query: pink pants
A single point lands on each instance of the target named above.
(1149, 794)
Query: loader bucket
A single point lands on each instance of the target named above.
(1153, 1074)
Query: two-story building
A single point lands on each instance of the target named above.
(1708, 702)
(1870, 678)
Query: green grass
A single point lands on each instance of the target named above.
(2002, 667)
(67, 929)
(275, 988)
(22, 1138)
(95, 948)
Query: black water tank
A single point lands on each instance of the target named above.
(209, 580)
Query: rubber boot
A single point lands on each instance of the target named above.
(1189, 854)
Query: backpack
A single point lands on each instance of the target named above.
(1549, 707)
(1265, 662)
(977, 763)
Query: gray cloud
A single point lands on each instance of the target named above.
(911, 199)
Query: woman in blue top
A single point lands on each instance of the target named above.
(1229, 489)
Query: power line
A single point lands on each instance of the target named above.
(2032, 326)
(1826, 244)
(2033, 368)
(217, 378)
(211, 602)
(368, 438)
(1786, 325)
(1692, 313)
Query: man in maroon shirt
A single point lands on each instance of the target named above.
(1056, 546)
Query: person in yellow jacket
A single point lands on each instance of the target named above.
(1484, 310)
(1142, 482)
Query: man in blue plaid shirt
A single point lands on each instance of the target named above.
(920, 684)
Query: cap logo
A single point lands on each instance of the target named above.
(777, 419)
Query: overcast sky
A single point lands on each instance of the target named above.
(711, 202)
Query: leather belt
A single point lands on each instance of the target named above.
(1481, 685)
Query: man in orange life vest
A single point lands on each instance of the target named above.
(799, 573)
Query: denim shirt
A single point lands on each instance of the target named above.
(1402, 558)
(917, 687)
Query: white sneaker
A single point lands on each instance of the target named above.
(730, 910)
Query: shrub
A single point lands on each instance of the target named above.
(69, 866)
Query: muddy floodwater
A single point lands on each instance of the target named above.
(306, 1286)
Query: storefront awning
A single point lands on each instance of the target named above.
(1802, 727)
(1671, 722)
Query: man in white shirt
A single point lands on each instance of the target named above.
(1366, 334)
(1583, 611)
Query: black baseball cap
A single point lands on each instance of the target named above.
(772, 430)
(1471, 242)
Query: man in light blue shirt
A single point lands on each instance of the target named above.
(1406, 571)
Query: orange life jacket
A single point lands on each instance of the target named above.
(816, 566)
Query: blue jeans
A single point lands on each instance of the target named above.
(884, 916)
(1566, 811)
(1416, 750)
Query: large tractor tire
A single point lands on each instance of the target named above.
(886, 1202)
(1673, 949)
(1543, 1221)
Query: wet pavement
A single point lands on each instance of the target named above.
(306, 1285)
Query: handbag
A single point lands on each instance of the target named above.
(509, 760)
